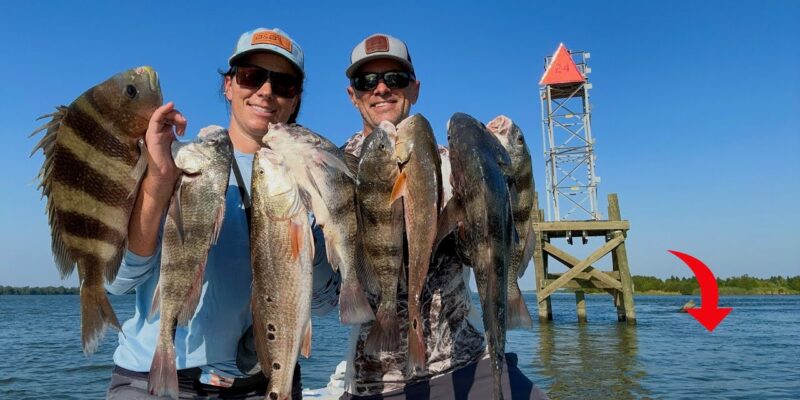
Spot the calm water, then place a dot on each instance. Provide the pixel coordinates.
(754, 353)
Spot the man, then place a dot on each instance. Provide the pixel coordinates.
(383, 87)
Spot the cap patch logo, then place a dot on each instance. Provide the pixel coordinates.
(376, 44)
(273, 39)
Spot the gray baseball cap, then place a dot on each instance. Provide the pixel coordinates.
(379, 45)
(273, 40)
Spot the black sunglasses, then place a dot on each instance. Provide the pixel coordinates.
(370, 80)
(283, 85)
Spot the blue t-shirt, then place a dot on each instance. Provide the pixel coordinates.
(223, 313)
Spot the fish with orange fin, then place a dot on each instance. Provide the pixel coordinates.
(281, 256)
(320, 169)
(419, 184)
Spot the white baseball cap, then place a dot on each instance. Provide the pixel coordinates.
(272, 40)
(379, 45)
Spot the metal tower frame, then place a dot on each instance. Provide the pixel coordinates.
(569, 146)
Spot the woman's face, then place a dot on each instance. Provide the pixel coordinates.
(253, 108)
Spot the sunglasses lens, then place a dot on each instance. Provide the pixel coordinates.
(396, 80)
(366, 81)
(251, 77)
(393, 80)
(283, 85)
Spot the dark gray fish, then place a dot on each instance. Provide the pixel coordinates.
(93, 163)
(320, 170)
(420, 186)
(380, 224)
(481, 211)
(192, 226)
(282, 257)
(510, 136)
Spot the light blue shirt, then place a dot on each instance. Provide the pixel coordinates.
(223, 313)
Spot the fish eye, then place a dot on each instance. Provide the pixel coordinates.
(520, 139)
(131, 91)
(382, 146)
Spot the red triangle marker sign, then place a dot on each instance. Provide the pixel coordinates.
(561, 69)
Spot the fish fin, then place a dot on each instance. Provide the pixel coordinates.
(218, 220)
(189, 305)
(416, 347)
(306, 346)
(296, 238)
(399, 189)
(140, 168)
(155, 305)
(163, 377)
(353, 305)
(175, 212)
(352, 163)
(385, 333)
(517, 314)
(331, 254)
(96, 314)
(64, 262)
(330, 162)
(527, 249)
(449, 219)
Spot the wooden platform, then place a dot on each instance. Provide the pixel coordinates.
(580, 273)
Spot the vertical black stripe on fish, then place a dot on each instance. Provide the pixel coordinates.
(95, 133)
(87, 227)
(77, 174)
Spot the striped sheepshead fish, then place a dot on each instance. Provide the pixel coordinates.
(93, 163)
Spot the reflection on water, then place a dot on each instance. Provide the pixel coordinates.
(582, 362)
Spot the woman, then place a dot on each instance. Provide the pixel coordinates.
(263, 85)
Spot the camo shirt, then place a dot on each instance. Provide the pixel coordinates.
(452, 341)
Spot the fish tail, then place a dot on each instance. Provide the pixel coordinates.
(163, 377)
(353, 305)
(96, 314)
(385, 333)
(517, 314)
(416, 346)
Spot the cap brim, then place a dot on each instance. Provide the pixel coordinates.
(353, 68)
(233, 59)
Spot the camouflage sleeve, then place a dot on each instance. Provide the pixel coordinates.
(325, 291)
(134, 270)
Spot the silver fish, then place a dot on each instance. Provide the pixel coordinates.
(320, 170)
(191, 228)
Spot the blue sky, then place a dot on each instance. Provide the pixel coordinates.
(695, 103)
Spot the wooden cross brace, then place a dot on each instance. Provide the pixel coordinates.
(577, 266)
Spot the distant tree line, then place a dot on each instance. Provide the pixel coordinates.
(744, 284)
(38, 290)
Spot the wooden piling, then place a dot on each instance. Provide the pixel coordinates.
(620, 260)
(580, 305)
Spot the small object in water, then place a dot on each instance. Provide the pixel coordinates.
(689, 305)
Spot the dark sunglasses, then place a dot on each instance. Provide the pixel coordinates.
(283, 85)
(370, 80)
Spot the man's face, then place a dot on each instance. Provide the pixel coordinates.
(383, 103)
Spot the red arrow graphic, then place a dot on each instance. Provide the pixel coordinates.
(708, 314)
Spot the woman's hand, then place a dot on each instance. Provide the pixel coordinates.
(165, 123)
